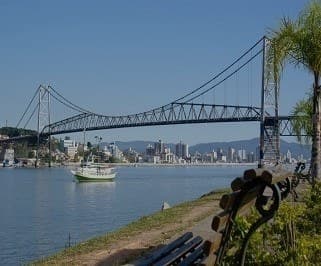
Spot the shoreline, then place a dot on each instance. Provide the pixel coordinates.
(171, 164)
(71, 164)
(140, 236)
(183, 165)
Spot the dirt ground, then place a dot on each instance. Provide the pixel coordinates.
(126, 251)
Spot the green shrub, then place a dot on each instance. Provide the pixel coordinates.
(292, 237)
(310, 222)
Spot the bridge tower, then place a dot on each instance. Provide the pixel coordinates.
(43, 116)
(269, 125)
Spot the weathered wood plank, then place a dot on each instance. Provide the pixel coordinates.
(159, 253)
(246, 208)
(253, 173)
(179, 253)
(273, 176)
(194, 256)
(215, 244)
(219, 221)
(210, 248)
(227, 200)
(238, 183)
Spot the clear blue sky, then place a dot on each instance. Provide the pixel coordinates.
(123, 57)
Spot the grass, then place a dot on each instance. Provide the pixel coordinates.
(145, 223)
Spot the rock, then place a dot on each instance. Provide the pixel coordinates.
(165, 206)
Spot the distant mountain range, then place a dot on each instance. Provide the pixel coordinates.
(249, 145)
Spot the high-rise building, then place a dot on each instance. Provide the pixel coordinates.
(219, 152)
(159, 147)
(251, 157)
(231, 155)
(114, 150)
(241, 155)
(150, 151)
(181, 150)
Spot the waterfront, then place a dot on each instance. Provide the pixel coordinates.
(40, 207)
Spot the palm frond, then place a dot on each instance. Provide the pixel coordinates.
(302, 124)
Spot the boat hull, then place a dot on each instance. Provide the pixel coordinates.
(85, 177)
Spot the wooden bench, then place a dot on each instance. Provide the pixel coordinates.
(262, 188)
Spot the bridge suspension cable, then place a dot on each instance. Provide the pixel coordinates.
(222, 72)
(66, 102)
(33, 112)
(224, 79)
(57, 96)
(28, 106)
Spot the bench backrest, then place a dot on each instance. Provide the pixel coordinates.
(249, 190)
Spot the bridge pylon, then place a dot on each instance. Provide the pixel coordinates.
(269, 124)
(43, 118)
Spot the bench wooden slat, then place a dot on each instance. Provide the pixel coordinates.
(274, 176)
(228, 200)
(253, 173)
(159, 253)
(210, 247)
(238, 183)
(180, 252)
(197, 253)
(219, 221)
(270, 176)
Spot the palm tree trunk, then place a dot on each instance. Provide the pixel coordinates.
(316, 138)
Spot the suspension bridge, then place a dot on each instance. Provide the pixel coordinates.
(188, 109)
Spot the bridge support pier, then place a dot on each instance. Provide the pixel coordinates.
(269, 126)
(43, 118)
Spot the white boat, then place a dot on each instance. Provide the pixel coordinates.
(94, 174)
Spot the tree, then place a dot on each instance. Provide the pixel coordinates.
(89, 145)
(299, 42)
(302, 124)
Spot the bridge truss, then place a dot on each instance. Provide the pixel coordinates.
(93, 121)
(176, 113)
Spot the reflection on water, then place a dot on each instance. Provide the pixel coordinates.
(41, 207)
(93, 187)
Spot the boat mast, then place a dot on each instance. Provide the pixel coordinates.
(83, 150)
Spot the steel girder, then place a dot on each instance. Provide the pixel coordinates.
(286, 127)
(176, 113)
(76, 123)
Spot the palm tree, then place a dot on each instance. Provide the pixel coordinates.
(302, 124)
(299, 42)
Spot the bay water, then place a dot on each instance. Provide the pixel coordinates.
(41, 208)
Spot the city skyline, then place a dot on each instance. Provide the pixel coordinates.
(159, 152)
(219, 147)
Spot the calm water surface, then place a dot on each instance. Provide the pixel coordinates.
(41, 207)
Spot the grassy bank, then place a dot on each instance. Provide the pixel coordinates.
(157, 220)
